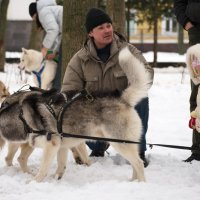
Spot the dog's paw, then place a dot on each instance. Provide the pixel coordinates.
(58, 176)
(29, 171)
(88, 162)
(8, 162)
(39, 177)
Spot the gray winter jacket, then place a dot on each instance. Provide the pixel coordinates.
(86, 70)
(50, 15)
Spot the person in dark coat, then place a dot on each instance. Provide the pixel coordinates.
(188, 15)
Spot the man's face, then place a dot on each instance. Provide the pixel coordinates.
(102, 34)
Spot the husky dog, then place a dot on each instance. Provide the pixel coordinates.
(12, 147)
(20, 124)
(43, 71)
(105, 116)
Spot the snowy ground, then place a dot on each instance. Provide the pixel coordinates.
(107, 178)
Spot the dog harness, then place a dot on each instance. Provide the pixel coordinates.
(38, 74)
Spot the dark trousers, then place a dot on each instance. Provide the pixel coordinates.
(194, 38)
(57, 79)
(143, 110)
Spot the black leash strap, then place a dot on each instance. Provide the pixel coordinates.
(123, 141)
(171, 146)
(98, 138)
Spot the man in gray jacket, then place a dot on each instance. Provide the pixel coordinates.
(48, 16)
(188, 15)
(96, 68)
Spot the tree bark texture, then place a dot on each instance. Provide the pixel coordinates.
(3, 12)
(74, 33)
(116, 10)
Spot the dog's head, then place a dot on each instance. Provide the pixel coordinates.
(30, 60)
(3, 92)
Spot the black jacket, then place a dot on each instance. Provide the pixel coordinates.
(187, 10)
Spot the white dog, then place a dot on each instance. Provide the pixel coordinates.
(44, 71)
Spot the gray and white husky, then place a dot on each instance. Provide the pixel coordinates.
(106, 117)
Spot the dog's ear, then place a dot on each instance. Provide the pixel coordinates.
(24, 50)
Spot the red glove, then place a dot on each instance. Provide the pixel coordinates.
(192, 123)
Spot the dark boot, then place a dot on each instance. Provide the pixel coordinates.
(194, 156)
(146, 162)
(98, 148)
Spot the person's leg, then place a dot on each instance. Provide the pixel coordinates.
(196, 136)
(98, 148)
(57, 79)
(143, 110)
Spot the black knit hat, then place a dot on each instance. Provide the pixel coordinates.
(96, 17)
(32, 9)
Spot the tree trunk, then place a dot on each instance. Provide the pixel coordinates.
(74, 33)
(3, 12)
(180, 40)
(155, 33)
(116, 10)
(155, 43)
(128, 21)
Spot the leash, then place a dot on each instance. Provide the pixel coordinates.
(123, 141)
(91, 98)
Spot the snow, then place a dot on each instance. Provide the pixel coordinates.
(168, 177)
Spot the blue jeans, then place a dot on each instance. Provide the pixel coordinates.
(143, 110)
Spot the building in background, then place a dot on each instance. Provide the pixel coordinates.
(19, 25)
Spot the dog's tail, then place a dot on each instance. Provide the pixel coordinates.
(138, 77)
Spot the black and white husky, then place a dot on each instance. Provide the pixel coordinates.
(105, 117)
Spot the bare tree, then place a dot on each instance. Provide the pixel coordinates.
(116, 10)
(74, 33)
(3, 12)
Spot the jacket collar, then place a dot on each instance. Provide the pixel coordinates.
(89, 51)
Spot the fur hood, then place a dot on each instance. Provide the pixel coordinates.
(191, 52)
